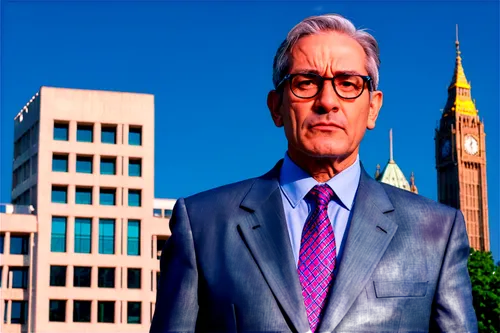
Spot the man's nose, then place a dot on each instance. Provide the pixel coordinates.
(327, 99)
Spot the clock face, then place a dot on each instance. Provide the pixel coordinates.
(471, 145)
(446, 148)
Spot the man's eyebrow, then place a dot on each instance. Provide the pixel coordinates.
(314, 71)
(306, 71)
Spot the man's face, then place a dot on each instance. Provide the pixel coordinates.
(325, 125)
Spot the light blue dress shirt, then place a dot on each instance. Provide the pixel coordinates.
(295, 183)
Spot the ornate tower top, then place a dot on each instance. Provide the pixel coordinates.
(392, 174)
(459, 90)
(459, 79)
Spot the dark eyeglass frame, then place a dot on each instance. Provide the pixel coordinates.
(367, 81)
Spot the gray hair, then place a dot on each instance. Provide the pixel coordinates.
(328, 22)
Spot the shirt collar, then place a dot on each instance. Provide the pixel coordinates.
(295, 183)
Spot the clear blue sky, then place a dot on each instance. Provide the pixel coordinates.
(209, 66)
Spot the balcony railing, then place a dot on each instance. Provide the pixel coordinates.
(16, 209)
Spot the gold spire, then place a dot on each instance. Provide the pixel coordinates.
(459, 79)
(460, 89)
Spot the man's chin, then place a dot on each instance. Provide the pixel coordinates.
(326, 153)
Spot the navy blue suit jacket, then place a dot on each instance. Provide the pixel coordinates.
(229, 267)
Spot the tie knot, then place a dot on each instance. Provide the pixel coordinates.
(321, 195)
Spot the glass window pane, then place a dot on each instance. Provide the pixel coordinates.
(106, 312)
(108, 165)
(19, 312)
(134, 312)
(58, 276)
(134, 168)
(157, 212)
(133, 238)
(83, 235)
(108, 134)
(106, 236)
(83, 196)
(58, 237)
(81, 311)
(61, 131)
(84, 164)
(57, 310)
(134, 198)
(106, 277)
(135, 136)
(134, 278)
(60, 194)
(84, 133)
(19, 277)
(82, 276)
(168, 213)
(60, 163)
(19, 244)
(107, 197)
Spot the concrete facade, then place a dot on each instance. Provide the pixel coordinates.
(84, 161)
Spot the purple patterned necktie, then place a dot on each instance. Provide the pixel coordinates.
(317, 255)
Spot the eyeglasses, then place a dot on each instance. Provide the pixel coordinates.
(308, 85)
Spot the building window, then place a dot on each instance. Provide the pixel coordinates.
(84, 133)
(107, 196)
(133, 238)
(60, 194)
(34, 164)
(135, 135)
(157, 212)
(2, 239)
(108, 134)
(61, 131)
(133, 312)
(83, 235)
(108, 165)
(106, 312)
(18, 312)
(160, 243)
(84, 164)
(82, 276)
(134, 167)
(19, 244)
(83, 195)
(106, 236)
(168, 213)
(58, 237)
(60, 163)
(58, 276)
(19, 277)
(134, 278)
(134, 198)
(57, 310)
(1, 272)
(106, 277)
(81, 311)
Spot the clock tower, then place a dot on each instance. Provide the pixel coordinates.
(461, 158)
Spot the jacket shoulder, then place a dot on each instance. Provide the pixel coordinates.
(404, 199)
(229, 195)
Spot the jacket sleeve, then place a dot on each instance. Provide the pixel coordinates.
(176, 299)
(452, 309)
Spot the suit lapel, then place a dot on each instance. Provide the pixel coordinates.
(368, 237)
(264, 231)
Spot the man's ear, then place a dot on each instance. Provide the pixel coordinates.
(375, 105)
(274, 100)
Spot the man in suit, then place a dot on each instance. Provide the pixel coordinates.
(316, 245)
